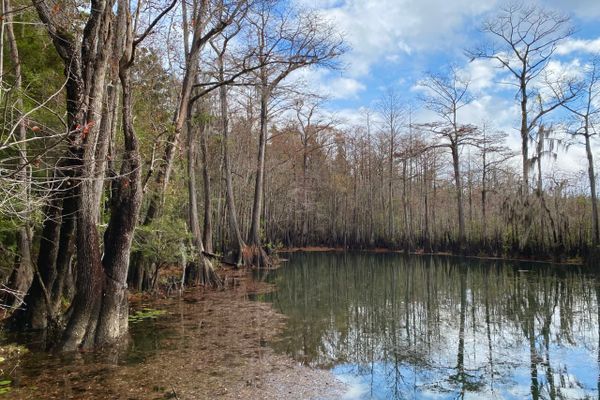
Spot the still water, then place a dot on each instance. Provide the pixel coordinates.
(393, 326)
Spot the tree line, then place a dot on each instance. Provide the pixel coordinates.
(138, 136)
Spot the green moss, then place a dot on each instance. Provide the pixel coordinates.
(145, 314)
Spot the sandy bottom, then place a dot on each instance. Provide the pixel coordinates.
(207, 345)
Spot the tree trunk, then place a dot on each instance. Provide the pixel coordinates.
(207, 229)
(391, 228)
(254, 237)
(207, 274)
(407, 230)
(22, 275)
(125, 206)
(235, 235)
(524, 135)
(81, 327)
(592, 178)
(259, 256)
(459, 201)
(163, 174)
(304, 232)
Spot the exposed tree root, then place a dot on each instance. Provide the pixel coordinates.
(257, 257)
(202, 272)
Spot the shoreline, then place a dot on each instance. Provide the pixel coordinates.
(381, 250)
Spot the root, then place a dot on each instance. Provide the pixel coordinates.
(209, 275)
(257, 257)
(202, 272)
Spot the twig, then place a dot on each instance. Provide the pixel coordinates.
(174, 392)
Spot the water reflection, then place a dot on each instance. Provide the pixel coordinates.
(396, 326)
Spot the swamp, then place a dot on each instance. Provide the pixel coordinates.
(299, 199)
(353, 326)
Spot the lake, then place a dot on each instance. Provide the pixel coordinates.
(393, 326)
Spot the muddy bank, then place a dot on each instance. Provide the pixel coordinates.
(207, 345)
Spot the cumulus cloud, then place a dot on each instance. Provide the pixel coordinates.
(578, 45)
(394, 29)
(344, 88)
(483, 74)
(393, 41)
(327, 83)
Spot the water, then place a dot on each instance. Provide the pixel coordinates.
(393, 326)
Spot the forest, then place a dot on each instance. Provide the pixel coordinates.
(151, 143)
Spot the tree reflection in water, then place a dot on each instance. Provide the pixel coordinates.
(399, 326)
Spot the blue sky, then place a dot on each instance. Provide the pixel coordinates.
(394, 42)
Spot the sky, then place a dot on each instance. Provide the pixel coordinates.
(393, 43)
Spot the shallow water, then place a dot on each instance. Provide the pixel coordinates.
(393, 326)
(208, 345)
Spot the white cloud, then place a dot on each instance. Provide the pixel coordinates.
(327, 83)
(400, 34)
(380, 29)
(585, 9)
(483, 73)
(344, 88)
(578, 45)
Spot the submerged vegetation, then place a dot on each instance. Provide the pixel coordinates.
(144, 314)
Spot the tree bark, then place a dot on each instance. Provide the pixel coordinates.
(524, 135)
(22, 275)
(304, 232)
(85, 308)
(235, 237)
(207, 236)
(459, 200)
(391, 228)
(125, 207)
(207, 274)
(592, 178)
(260, 259)
(254, 236)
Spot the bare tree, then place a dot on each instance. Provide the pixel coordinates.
(207, 19)
(392, 113)
(524, 38)
(586, 111)
(210, 18)
(446, 95)
(312, 128)
(286, 40)
(494, 153)
(546, 145)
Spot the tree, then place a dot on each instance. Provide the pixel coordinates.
(546, 145)
(446, 95)
(207, 19)
(493, 155)
(286, 40)
(105, 47)
(391, 110)
(312, 129)
(23, 272)
(524, 38)
(586, 112)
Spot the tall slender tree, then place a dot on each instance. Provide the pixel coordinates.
(446, 95)
(524, 38)
(586, 112)
(286, 40)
